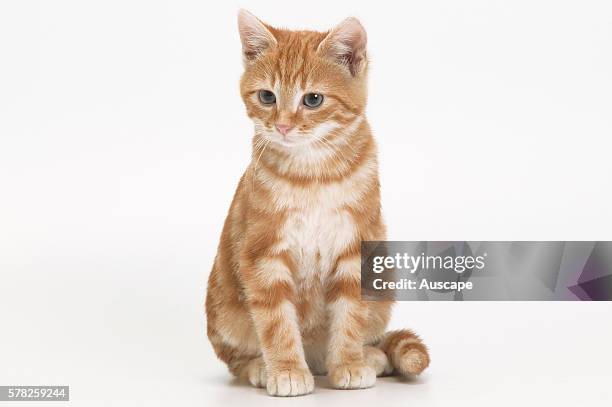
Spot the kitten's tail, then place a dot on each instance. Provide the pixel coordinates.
(406, 351)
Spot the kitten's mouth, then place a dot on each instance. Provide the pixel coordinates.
(289, 141)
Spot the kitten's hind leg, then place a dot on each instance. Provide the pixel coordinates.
(377, 360)
(254, 370)
(248, 366)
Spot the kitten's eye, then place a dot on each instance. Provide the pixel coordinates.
(266, 97)
(313, 100)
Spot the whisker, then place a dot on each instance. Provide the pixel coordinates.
(257, 162)
(334, 155)
(338, 152)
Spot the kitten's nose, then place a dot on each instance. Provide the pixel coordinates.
(283, 128)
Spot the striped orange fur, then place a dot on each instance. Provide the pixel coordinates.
(283, 297)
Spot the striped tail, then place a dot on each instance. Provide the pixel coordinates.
(406, 352)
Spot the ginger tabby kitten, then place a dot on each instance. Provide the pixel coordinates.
(284, 296)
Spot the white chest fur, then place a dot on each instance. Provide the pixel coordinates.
(316, 237)
(318, 228)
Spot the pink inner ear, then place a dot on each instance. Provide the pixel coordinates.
(346, 44)
(255, 37)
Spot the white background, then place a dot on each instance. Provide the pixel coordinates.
(122, 137)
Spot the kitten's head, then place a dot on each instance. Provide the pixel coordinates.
(300, 86)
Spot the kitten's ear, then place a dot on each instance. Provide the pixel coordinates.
(346, 44)
(255, 36)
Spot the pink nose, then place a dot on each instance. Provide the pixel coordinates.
(283, 128)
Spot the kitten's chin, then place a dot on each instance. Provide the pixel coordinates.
(292, 143)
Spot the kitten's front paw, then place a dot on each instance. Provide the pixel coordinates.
(292, 382)
(352, 376)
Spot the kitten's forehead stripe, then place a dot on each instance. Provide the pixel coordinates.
(300, 65)
(293, 64)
